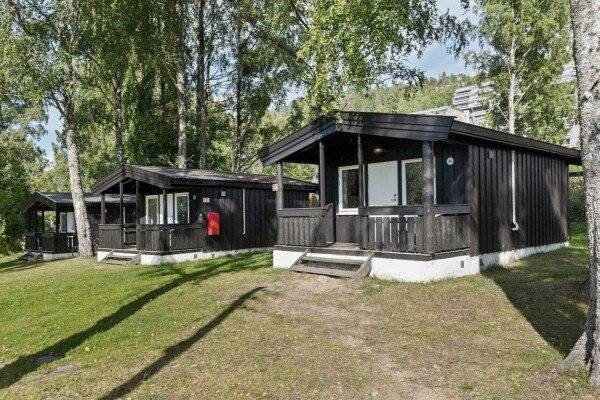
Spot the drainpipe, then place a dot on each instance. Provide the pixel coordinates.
(513, 179)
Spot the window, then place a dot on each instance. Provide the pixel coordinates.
(152, 210)
(182, 208)
(178, 209)
(412, 182)
(348, 189)
(67, 222)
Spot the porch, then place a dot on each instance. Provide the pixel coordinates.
(388, 207)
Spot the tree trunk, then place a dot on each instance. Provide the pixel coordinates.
(181, 83)
(82, 222)
(118, 123)
(512, 89)
(238, 145)
(585, 15)
(201, 111)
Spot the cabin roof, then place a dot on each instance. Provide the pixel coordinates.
(54, 199)
(405, 126)
(169, 177)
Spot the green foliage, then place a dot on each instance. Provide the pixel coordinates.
(431, 93)
(528, 40)
(356, 43)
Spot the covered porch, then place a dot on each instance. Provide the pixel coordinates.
(399, 193)
(160, 222)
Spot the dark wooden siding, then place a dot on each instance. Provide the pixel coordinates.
(541, 199)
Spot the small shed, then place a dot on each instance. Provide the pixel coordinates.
(420, 197)
(188, 214)
(50, 220)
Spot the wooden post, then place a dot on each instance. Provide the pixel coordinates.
(165, 220)
(121, 217)
(102, 209)
(361, 172)
(138, 213)
(43, 222)
(56, 220)
(322, 198)
(35, 219)
(428, 198)
(279, 193)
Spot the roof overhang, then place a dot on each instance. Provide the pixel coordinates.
(404, 126)
(168, 181)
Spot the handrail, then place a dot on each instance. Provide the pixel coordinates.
(452, 209)
(304, 212)
(390, 210)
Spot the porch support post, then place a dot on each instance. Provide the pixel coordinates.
(56, 220)
(165, 220)
(43, 222)
(102, 208)
(35, 218)
(322, 198)
(361, 172)
(138, 212)
(428, 198)
(279, 193)
(121, 219)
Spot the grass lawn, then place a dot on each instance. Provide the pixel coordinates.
(236, 328)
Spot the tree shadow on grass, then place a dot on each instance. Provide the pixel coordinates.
(177, 349)
(549, 291)
(16, 264)
(16, 370)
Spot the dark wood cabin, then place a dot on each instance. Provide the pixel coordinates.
(50, 220)
(422, 187)
(245, 204)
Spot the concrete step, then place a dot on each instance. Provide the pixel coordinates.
(337, 272)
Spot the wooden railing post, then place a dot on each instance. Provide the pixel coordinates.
(279, 193)
(428, 197)
(322, 189)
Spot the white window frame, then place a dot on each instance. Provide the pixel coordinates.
(175, 196)
(403, 172)
(341, 209)
(159, 203)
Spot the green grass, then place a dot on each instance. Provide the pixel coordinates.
(236, 328)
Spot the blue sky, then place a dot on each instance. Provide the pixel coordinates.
(434, 62)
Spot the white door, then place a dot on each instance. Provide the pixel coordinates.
(383, 183)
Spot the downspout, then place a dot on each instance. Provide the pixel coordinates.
(513, 179)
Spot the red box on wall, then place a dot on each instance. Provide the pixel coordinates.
(213, 221)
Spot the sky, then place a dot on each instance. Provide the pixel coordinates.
(434, 62)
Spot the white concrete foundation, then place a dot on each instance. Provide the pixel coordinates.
(157, 259)
(54, 256)
(426, 271)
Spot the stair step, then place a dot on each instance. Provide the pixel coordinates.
(333, 260)
(114, 261)
(337, 272)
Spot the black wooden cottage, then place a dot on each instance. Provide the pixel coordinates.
(173, 207)
(416, 197)
(50, 220)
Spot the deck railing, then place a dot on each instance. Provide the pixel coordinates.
(152, 238)
(400, 228)
(305, 226)
(171, 237)
(51, 242)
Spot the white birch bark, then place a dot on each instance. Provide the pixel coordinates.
(181, 83)
(585, 15)
(201, 85)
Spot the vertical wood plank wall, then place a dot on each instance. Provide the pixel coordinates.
(541, 199)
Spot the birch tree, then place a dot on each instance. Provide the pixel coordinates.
(526, 46)
(54, 32)
(181, 83)
(585, 15)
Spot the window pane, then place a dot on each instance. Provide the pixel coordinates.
(350, 188)
(182, 209)
(152, 211)
(70, 222)
(63, 222)
(414, 183)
